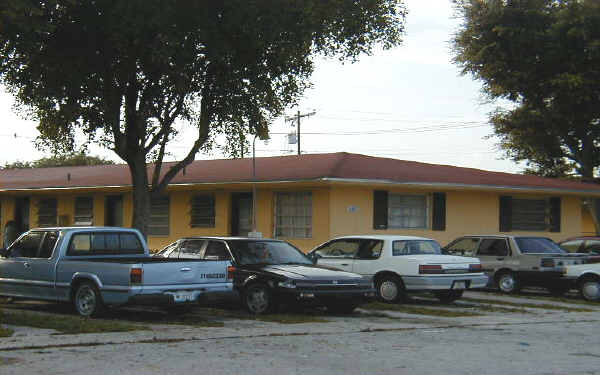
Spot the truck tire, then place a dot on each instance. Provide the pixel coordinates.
(589, 288)
(87, 300)
(390, 289)
(508, 283)
(448, 296)
(257, 299)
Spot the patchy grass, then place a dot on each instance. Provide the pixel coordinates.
(544, 306)
(572, 299)
(305, 317)
(67, 324)
(496, 309)
(417, 310)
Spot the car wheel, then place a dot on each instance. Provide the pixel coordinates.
(341, 308)
(87, 300)
(508, 283)
(590, 289)
(448, 296)
(390, 289)
(257, 299)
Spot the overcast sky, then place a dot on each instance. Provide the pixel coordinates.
(408, 103)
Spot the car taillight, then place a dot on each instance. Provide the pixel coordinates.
(475, 267)
(230, 272)
(135, 276)
(430, 268)
(547, 262)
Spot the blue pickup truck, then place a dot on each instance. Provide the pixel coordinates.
(98, 267)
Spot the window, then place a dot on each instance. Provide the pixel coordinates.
(572, 246)
(538, 245)
(84, 211)
(518, 214)
(216, 250)
(463, 246)
(370, 249)
(493, 247)
(592, 246)
(345, 248)
(191, 248)
(48, 245)
(99, 243)
(407, 211)
(293, 215)
(167, 250)
(203, 211)
(159, 217)
(47, 212)
(415, 247)
(27, 246)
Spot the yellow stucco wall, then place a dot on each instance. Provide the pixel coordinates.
(338, 209)
(587, 223)
(467, 212)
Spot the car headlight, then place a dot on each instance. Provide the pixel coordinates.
(290, 284)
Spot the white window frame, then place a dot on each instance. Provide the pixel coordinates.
(294, 230)
(427, 209)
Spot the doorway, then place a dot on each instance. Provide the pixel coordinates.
(113, 211)
(241, 214)
(22, 214)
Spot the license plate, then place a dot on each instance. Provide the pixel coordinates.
(183, 297)
(460, 285)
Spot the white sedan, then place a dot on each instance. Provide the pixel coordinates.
(402, 264)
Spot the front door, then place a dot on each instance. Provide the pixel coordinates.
(241, 214)
(22, 215)
(113, 214)
(493, 254)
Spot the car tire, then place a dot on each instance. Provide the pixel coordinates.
(508, 283)
(589, 289)
(87, 300)
(390, 289)
(257, 299)
(448, 296)
(341, 308)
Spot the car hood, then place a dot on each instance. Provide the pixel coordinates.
(441, 259)
(304, 272)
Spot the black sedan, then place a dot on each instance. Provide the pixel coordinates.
(267, 273)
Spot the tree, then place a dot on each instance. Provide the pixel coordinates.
(124, 72)
(543, 55)
(65, 160)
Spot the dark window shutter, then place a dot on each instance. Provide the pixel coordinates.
(555, 214)
(380, 209)
(505, 213)
(439, 211)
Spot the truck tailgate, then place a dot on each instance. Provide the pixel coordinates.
(184, 274)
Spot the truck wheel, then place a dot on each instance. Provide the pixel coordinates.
(590, 289)
(257, 299)
(448, 296)
(508, 283)
(390, 289)
(87, 300)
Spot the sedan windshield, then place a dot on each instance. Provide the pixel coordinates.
(538, 245)
(266, 252)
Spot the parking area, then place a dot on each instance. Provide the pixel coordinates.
(531, 332)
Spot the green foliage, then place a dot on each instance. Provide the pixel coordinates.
(543, 55)
(67, 160)
(124, 72)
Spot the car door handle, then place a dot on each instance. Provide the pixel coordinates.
(344, 264)
(185, 269)
(499, 258)
(27, 265)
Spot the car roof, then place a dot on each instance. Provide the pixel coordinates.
(228, 238)
(581, 238)
(385, 237)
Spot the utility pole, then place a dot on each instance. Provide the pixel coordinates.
(297, 119)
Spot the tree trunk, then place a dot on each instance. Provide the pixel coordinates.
(141, 195)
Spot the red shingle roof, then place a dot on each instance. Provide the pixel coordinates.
(342, 165)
